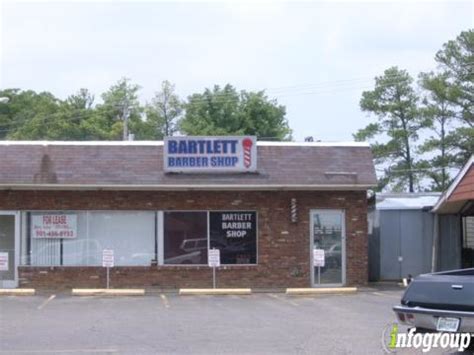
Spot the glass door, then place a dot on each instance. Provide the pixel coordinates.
(8, 251)
(328, 248)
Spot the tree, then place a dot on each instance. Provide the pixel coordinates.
(163, 112)
(224, 111)
(456, 60)
(264, 118)
(439, 110)
(448, 106)
(119, 114)
(394, 102)
(28, 115)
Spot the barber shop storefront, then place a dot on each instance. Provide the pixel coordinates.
(281, 214)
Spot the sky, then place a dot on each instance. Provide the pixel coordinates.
(315, 58)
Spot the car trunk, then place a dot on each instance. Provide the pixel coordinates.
(453, 290)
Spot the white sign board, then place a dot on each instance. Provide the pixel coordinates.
(318, 257)
(3, 261)
(214, 257)
(107, 258)
(224, 154)
(54, 226)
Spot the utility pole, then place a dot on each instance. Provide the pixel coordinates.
(125, 116)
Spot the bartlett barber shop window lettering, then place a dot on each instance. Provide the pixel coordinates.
(186, 237)
(235, 234)
(138, 238)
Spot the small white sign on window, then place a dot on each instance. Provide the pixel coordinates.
(214, 258)
(3, 261)
(318, 257)
(107, 258)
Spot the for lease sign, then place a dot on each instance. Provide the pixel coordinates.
(54, 226)
(210, 154)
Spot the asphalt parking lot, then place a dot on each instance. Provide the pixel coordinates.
(263, 323)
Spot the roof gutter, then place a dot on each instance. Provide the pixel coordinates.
(215, 187)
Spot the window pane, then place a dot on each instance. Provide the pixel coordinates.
(185, 238)
(131, 235)
(7, 246)
(235, 234)
(45, 241)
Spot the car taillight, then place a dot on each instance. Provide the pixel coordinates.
(401, 317)
(406, 317)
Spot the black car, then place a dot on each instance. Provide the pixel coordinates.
(442, 301)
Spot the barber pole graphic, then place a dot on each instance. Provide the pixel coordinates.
(247, 144)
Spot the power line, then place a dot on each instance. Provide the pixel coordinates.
(288, 91)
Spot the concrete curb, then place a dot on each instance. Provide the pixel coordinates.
(107, 292)
(320, 291)
(214, 291)
(17, 291)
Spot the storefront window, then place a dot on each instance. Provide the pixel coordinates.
(185, 238)
(78, 238)
(235, 234)
(131, 235)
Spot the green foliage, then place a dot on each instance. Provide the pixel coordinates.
(448, 105)
(163, 112)
(456, 58)
(394, 102)
(28, 115)
(224, 111)
(120, 106)
(437, 108)
(34, 116)
(443, 113)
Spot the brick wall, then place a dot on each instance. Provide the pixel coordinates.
(283, 247)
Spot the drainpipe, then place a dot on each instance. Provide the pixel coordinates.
(434, 255)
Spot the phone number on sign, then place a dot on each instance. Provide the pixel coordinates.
(54, 234)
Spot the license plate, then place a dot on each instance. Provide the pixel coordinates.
(446, 324)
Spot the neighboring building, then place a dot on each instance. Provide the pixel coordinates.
(400, 242)
(454, 232)
(160, 206)
(423, 232)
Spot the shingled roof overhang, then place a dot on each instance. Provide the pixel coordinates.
(138, 165)
(459, 197)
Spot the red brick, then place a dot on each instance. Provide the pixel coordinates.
(284, 259)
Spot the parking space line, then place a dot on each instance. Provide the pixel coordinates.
(385, 295)
(63, 351)
(282, 299)
(42, 305)
(165, 300)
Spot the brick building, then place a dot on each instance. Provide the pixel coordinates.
(62, 203)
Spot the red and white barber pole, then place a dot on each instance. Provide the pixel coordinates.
(247, 145)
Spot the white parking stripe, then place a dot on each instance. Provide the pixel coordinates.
(62, 351)
(282, 299)
(42, 305)
(385, 295)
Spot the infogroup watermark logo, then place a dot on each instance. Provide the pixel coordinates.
(393, 339)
